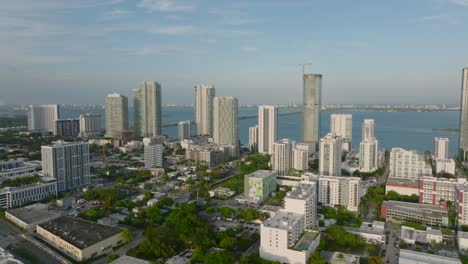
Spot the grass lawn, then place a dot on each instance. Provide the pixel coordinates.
(235, 183)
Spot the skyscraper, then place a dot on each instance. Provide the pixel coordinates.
(42, 117)
(367, 129)
(116, 106)
(312, 101)
(68, 162)
(253, 138)
(225, 127)
(281, 159)
(153, 155)
(267, 128)
(204, 95)
(463, 140)
(90, 125)
(342, 125)
(147, 106)
(184, 129)
(441, 148)
(330, 155)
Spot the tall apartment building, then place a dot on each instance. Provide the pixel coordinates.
(90, 125)
(339, 191)
(259, 185)
(300, 160)
(462, 204)
(434, 190)
(282, 156)
(330, 153)
(441, 148)
(184, 129)
(68, 162)
(311, 103)
(42, 117)
(267, 128)
(368, 129)
(302, 199)
(116, 106)
(204, 95)
(463, 135)
(253, 138)
(147, 107)
(342, 125)
(408, 164)
(67, 127)
(153, 155)
(225, 123)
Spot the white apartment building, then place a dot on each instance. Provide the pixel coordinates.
(253, 138)
(367, 129)
(434, 190)
(184, 129)
(462, 202)
(342, 125)
(445, 166)
(300, 160)
(17, 168)
(11, 197)
(147, 107)
(302, 199)
(225, 123)
(330, 152)
(204, 95)
(408, 164)
(282, 156)
(68, 162)
(267, 128)
(339, 191)
(66, 127)
(441, 148)
(153, 156)
(116, 107)
(42, 117)
(369, 155)
(90, 125)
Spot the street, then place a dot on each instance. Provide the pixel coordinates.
(392, 249)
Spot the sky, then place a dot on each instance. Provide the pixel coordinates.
(368, 51)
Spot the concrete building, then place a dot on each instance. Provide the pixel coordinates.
(368, 129)
(369, 155)
(225, 123)
(66, 127)
(282, 156)
(259, 185)
(184, 129)
(330, 153)
(415, 257)
(153, 156)
(90, 125)
(42, 117)
(68, 162)
(253, 138)
(311, 103)
(11, 197)
(372, 232)
(130, 260)
(435, 191)
(463, 135)
(80, 239)
(204, 95)
(18, 168)
(302, 199)
(267, 128)
(342, 125)
(431, 215)
(408, 164)
(445, 166)
(462, 240)
(462, 204)
(116, 107)
(147, 107)
(28, 218)
(441, 148)
(339, 191)
(402, 186)
(210, 154)
(300, 161)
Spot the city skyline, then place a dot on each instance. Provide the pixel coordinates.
(242, 44)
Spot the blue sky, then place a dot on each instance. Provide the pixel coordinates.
(374, 51)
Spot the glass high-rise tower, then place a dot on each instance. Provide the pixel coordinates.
(147, 106)
(463, 135)
(311, 103)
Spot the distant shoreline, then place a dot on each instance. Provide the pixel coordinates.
(453, 130)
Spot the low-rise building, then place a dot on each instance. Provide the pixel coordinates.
(414, 257)
(340, 258)
(462, 240)
(259, 185)
(11, 197)
(27, 219)
(80, 239)
(402, 186)
(129, 260)
(18, 168)
(431, 215)
(445, 166)
(434, 190)
(411, 235)
(372, 232)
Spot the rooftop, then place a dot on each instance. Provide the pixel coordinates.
(302, 190)
(283, 220)
(407, 256)
(30, 216)
(306, 240)
(78, 232)
(415, 208)
(260, 174)
(129, 260)
(403, 182)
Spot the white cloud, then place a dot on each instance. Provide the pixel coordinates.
(164, 5)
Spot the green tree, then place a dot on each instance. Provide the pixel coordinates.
(316, 258)
(112, 257)
(154, 214)
(165, 202)
(228, 243)
(219, 257)
(127, 236)
(226, 211)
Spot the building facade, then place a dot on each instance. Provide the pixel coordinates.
(259, 185)
(369, 155)
(90, 125)
(408, 164)
(330, 153)
(311, 104)
(282, 156)
(66, 127)
(116, 107)
(147, 107)
(463, 135)
(204, 95)
(17, 168)
(431, 215)
(153, 155)
(339, 191)
(267, 128)
(367, 129)
(68, 162)
(42, 117)
(253, 138)
(302, 199)
(184, 129)
(342, 125)
(11, 197)
(441, 148)
(225, 123)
